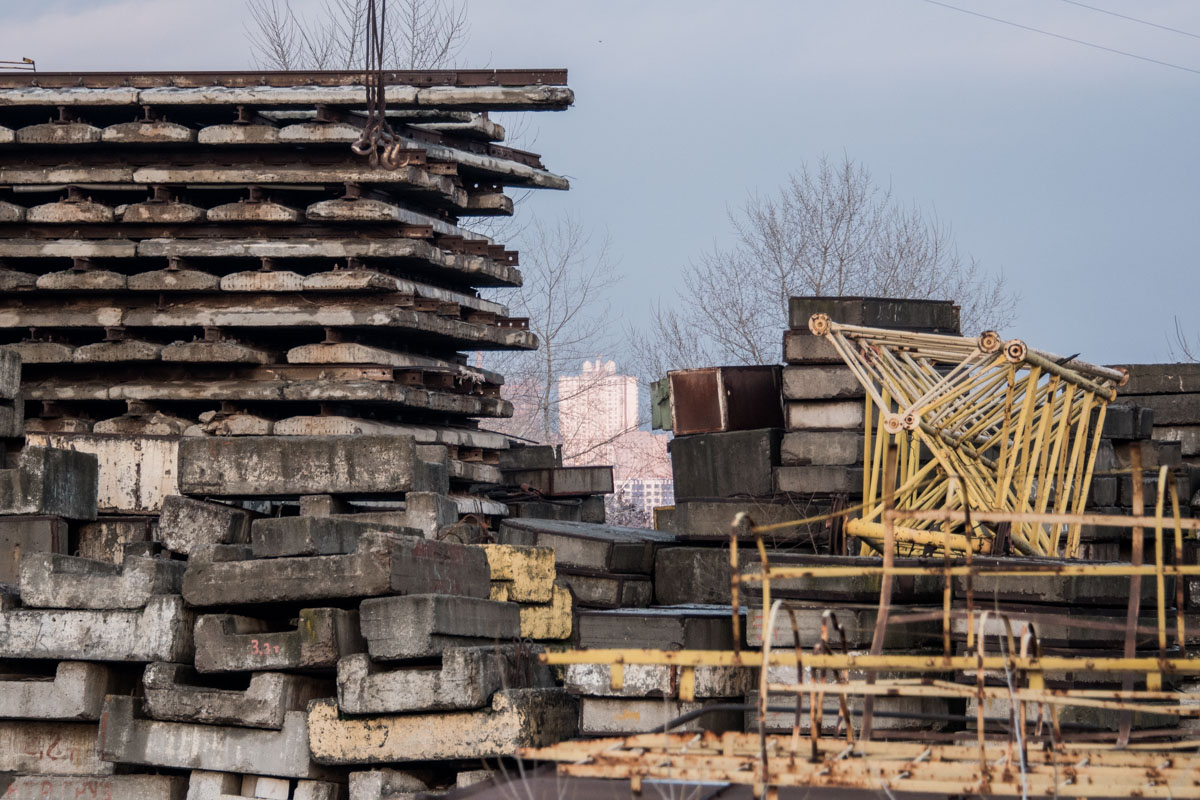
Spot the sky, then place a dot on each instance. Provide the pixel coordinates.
(1072, 170)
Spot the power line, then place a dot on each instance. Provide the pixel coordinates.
(1066, 38)
(1133, 19)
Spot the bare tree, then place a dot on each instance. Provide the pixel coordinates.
(1184, 348)
(421, 34)
(830, 230)
(567, 276)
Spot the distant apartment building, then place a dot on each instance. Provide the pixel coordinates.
(598, 421)
(596, 407)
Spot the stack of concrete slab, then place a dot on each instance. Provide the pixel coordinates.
(538, 486)
(603, 566)
(1078, 615)
(843, 613)
(644, 698)
(202, 255)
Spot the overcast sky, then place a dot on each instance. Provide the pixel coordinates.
(1073, 170)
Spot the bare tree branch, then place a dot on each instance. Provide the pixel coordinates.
(830, 230)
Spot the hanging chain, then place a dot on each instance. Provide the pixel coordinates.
(378, 141)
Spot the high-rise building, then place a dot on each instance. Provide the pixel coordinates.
(595, 408)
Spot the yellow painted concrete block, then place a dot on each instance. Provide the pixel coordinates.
(517, 718)
(529, 571)
(551, 620)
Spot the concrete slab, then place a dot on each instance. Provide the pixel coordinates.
(134, 473)
(686, 627)
(857, 621)
(608, 590)
(527, 573)
(163, 213)
(854, 589)
(107, 538)
(824, 415)
(162, 631)
(124, 787)
(712, 519)
(423, 625)
(891, 714)
(215, 353)
(202, 785)
(294, 465)
(381, 564)
(44, 480)
(820, 382)
(692, 575)
(51, 748)
(127, 738)
(385, 784)
(176, 692)
(517, 718)
(582, 545)
(173, 280)
(563, 481)
(76, 692)
(611, 716)
(801, 347)
(187, 524)
(656, 680)
(725, 464)
(22, 535)
(821, 448)
(10, 374)
(818, 480)
(553, 620)
(315, 640)
(932, 316)
(466, 679)
(157, 131)
(49, 580)
(315, 536)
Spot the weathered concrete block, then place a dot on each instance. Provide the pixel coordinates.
(1167, 409)
(854, 589)
(381, 564)
(818, 480)
(582, 545)
(186, 524)
(466, 679)
(612, 716)
(517, 718)
(271, 466)
(725, 464)
(22, 535)
(543, 456)
(858, 623)
(656, 680)
(162, 631)
(135, 472)
(231, 643)
(891, 714)
(12, 418)
(801, 347)
(49, 580)
(692, 575)
(429, 512)
(820, 382)
(1072, 590)
(110, 538)
(202, 785)
(176, 692)
(821, 448)
(933, 316)
(50, 748)
(314, 536)
(10, 374)
(553, 620)
(563, 481)
(76, 693)
(1188, 437)
(114, 787)
(609, 590)
(1162, 379)
(824, 415)
(126, 738)
(385, 784)
(527, 573)
(998, 709)
(46, 480)
(422, 625)
(687, 627)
